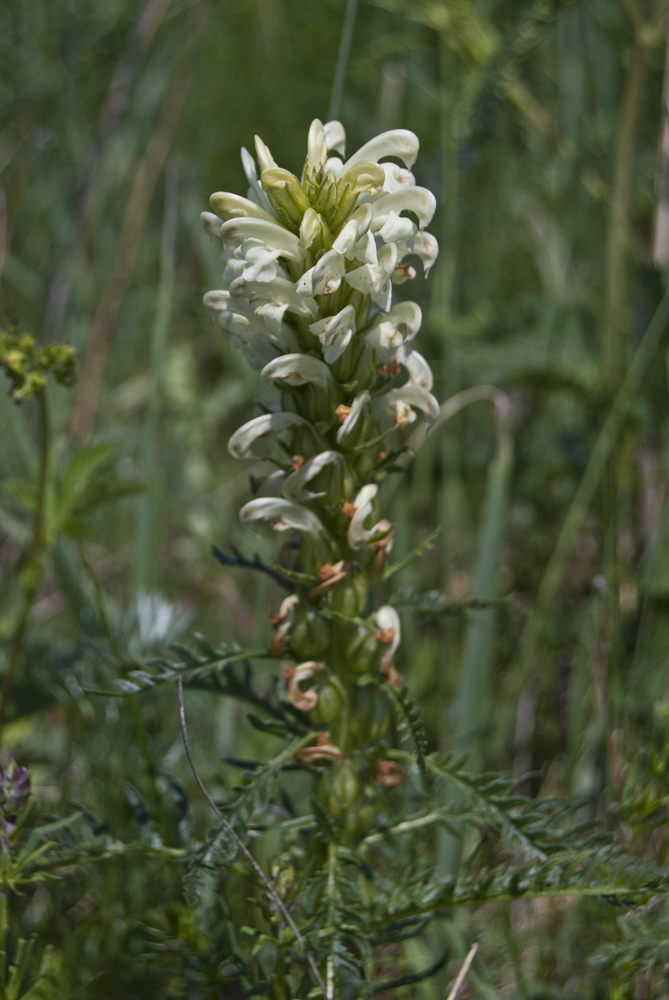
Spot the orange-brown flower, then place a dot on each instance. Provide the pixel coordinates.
(384, 546)
(392, 675)
(298, 462)
(324, 749)
(282, 622)
(329, 575)
(305, 701)
(390, 774)
(342, 412)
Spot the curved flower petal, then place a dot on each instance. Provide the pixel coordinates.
(394, 230)
(211, 223)
(364, 177)
(265, 425)
(296, 369)
(282, 515)
(335, 136)
(392, 329)
(233, 206)
(270, 486)
(282, 622)
(401, 401)
(335, 333)
(406, 199)
(307, 700)
(235, 231)
(420, 373)
(397, 177)
(294, 486)
(389, 622)
(397, 142)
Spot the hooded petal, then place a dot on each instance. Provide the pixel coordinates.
(297, 369)
(397, 177)
(266, 425)
(335, 136)
(420, 373)
(394, 230)
(374, 279)
(398, 142)
(294, 487)
(335, 333)
(271, 485)
(281, 515)
(255, 191)
(317, 146)
(233, 206)
(307, 700)
(410, 199)
(357, 409)
(265, 158)
(325, 277)
(423, 245)
(390, 330)
(358, 535)
(211, 223)
(389, 621)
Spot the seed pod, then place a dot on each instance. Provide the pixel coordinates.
(329, 705)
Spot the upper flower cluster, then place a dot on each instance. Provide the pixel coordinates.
(310, 266)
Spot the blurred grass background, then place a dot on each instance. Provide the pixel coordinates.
(539, 126)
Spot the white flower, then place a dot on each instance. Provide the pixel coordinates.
(297, 369)
(325, 277)
(358, 535)
(282, 515)
(398, 142)
(271, 299)
(265, 158)
(255, 192)
(418, 200)
(266, 425)
(394, 328)
(335, 333)
(374, 279)
(236, 231)
(317, 146)
(401, 402)
(294, 486)
(307, 700)
(355, 241)
(389, 621)
(357, 410)
(282, 623)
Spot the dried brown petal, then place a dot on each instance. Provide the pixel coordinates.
(298, 462)
(324, 749)
(392, 675)
(390, 774)
(342, 412)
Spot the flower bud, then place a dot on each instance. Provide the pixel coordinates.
(285, 194)
(346, 783)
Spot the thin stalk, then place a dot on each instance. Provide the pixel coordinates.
(512, 947)
(342, 60)
(33, 571)
(148, 514)
(599, 456)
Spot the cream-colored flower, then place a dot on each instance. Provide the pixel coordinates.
(307, 700)
(335, 333)
(266, 425)
(294, 486)
(282, 515)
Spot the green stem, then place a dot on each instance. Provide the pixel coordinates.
(33, 571)
(512, 946)
(618, 238)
